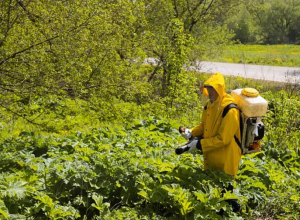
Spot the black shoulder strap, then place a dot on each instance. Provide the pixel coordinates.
(237, 141)
(225, 111)
(228, 107)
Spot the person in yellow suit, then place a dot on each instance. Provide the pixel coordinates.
(218, 136)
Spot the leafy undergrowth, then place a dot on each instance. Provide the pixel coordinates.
(132, 172)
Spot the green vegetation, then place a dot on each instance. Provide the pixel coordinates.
(79, 167)
(95, 50)
(266, 22)
(88, 129)
(273, 55)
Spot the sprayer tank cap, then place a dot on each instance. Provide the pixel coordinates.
(250, 92)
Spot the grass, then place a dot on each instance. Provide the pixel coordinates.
(275, 55)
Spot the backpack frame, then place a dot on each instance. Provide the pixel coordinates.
(251, 130)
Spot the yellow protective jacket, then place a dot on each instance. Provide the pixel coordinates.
(220, 150)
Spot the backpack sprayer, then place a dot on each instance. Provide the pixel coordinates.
(252, 107)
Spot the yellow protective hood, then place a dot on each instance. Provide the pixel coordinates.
(217, 82)
(220, 150)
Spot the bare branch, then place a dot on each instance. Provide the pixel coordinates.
(19, 115)
(94, 70)
(175, 8)
(30, 15)
(26, 49)
(154, 71)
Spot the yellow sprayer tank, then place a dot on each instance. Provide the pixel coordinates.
(250, 102)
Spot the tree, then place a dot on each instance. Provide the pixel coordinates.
(242, 25)
(95, 50)
(68, 48)
(276, 19)
(180, 27)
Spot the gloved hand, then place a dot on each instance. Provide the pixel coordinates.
(185, 132)
(190, 146)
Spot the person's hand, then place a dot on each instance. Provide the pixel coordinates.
(189, 147)
(185, 132)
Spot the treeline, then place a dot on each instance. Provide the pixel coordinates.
(267, 22)
(95, 50)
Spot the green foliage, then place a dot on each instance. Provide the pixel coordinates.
(273, 55)
(242, 25)
(3, 210)
(95, 51)
(89, 51)
(183, 32)
(276, 19)
(131, 171)
(266, 22)
(77, 141)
